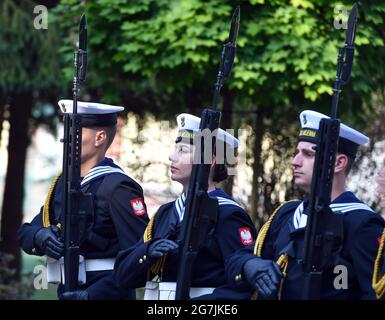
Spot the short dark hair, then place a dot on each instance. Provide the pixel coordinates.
(110, 132)
(220, 172)
(221, 169)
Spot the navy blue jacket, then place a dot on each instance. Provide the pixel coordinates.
(131, 269)
(115, 224)
(362, 229)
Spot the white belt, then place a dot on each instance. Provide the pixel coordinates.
(166, 291)
(55, 268)
(100, 264)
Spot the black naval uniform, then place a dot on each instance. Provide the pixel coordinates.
(234, 229)
(362, 231)
(118, 221)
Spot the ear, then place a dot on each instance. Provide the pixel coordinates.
(342, 162)
(100, 138)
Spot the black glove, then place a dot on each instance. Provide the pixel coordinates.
(264, 276)
(47, 241)
(160, 247)
(75, 295)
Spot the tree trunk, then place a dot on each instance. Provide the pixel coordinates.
(257, 167)
(12, 211)
(226, 123)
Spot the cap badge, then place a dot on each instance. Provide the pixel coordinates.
(304, 119)
(182, 121)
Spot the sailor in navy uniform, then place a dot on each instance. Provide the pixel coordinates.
(273, 267)
(116, 219)
(156, 256)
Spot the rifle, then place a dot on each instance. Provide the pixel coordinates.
(201, 210)
(72, 193)
(324, 230)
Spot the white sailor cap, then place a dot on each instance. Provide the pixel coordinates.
(188, 126)
(349, 140)
(93, 114)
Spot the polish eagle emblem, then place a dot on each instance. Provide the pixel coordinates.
(246, 236)
(138, 206)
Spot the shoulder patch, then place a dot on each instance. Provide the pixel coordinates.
(138, 206)
(246, 236)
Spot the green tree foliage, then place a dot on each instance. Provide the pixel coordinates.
(28, 59)
(284, 48)
(163, 52)
(292, 49)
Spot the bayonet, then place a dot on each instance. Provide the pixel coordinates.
(234, 26)
(82, 52)
(227, 56)
(345, 59)
(352, 24)
(83, 33)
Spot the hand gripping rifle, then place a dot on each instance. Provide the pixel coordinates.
(72, 193)
(201, 210)
(324, 230)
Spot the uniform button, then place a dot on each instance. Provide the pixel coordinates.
(144, 258)
(33, 250)
(140, 260)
